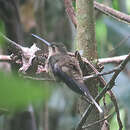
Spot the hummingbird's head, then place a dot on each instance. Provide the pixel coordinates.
(57, 48)
(54, 48)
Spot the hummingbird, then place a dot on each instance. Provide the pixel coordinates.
(66, 69)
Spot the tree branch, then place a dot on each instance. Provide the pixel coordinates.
(116, 59)
(97, 122)
(70, 11)
(117, 111)
(102, 84)
(108, 87)
(112, 12)
(102, 8)
(99, 74)
(5, 58)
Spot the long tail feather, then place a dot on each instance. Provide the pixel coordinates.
(75, 86)
(95, 103)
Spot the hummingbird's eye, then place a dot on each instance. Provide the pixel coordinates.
(53, 48)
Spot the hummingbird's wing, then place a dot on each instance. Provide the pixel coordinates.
(68, 71)
(69, 81)
(75, 85)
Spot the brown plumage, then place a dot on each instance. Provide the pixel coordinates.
(66, 69)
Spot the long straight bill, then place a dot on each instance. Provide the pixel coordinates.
(43, 40)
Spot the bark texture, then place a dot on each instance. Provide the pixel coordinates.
(87, 43)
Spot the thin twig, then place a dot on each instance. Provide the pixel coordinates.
(99, 74)
(70, 11)
(116, 59)
(112, 12)
(105, 105)
(103, 83)
(94, 71)
(5, 58)
(108, 87)
(110, 60)
(17, 46)
(110, 53)
(112, 96)
(3, 110)
(101, 7)
(97, 122)
(117, 111)
(39, 79)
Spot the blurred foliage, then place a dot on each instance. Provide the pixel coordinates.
(128, 6)
(101, 36)
(74, 4)
(110, 33)
(27, 15)
(53, 10)
(57, 24)
(16, 93)
(100, 1)
(107, 100)
(114, 124)
(113, 39)
(63, 103)
(2, 30)
(117, 34)
(121, 91)
(115, 4)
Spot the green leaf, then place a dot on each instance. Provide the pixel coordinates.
(101, 37)
(74, 4)
(128, 5)
(115, 4)
(114, 125)
(2, 30)
(16, 93)
(107, 100)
